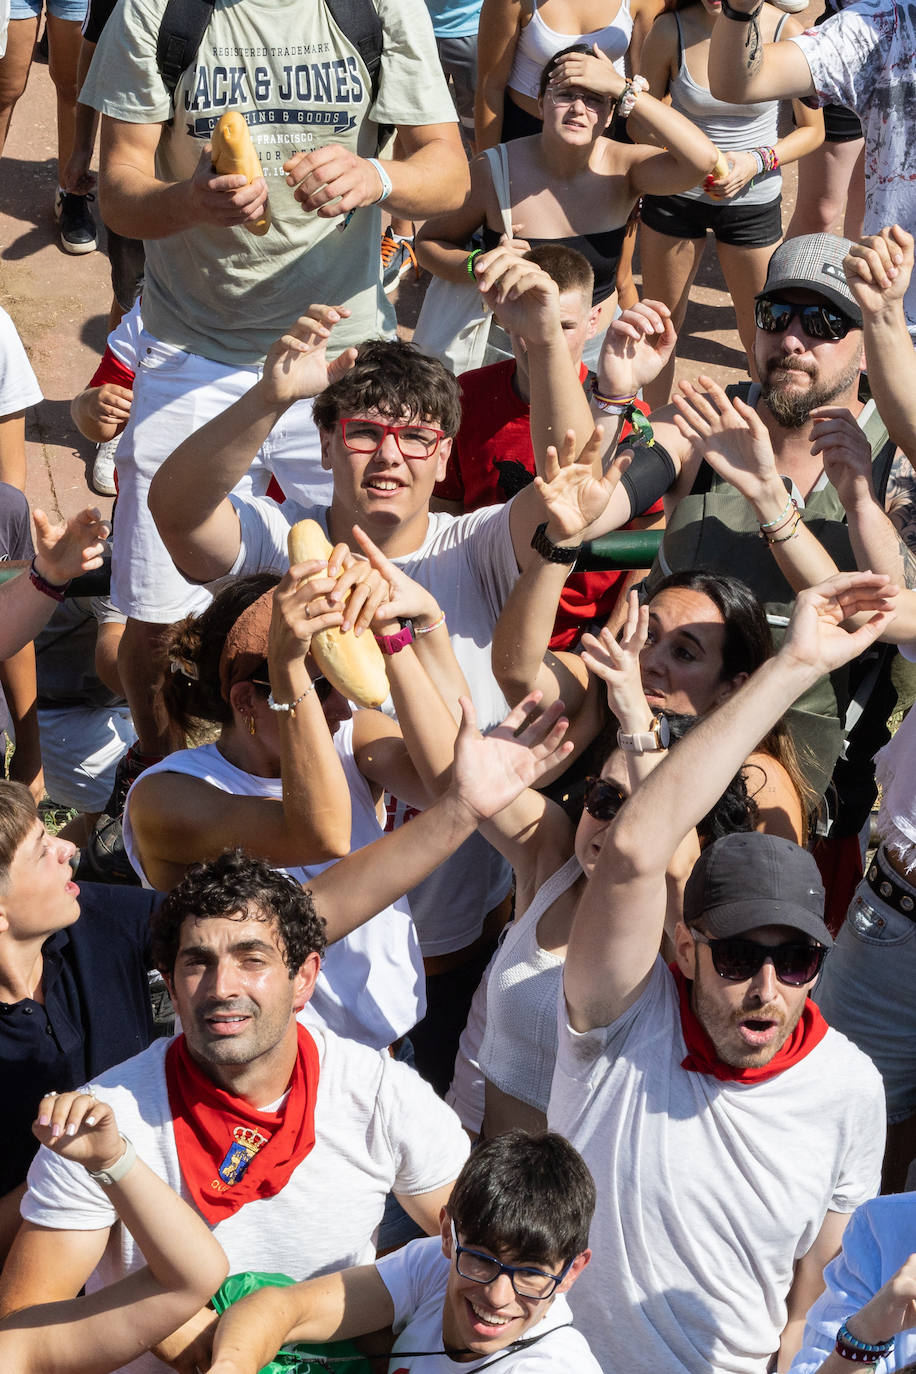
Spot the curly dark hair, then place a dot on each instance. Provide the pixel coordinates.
(239, 887)
(397, 380)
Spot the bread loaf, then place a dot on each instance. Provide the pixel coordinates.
(233, 154)
(356, 667)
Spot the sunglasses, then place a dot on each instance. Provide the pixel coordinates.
(733, 957)
(527, 1282)
(603, 799)
(817, 321)
(413, 440)
(323, 688)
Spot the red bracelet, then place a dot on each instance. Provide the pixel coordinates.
(41, 584)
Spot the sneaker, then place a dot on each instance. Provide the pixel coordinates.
(790, 6)
(398, 258)
(78, 233)
(130, 766)
(103, 468)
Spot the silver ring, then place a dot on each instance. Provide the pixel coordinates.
(52, 1094)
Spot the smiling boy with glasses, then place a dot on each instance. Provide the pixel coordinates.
(492, 1286)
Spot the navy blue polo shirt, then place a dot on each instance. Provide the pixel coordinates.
(96, 1013)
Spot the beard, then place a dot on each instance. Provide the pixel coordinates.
(721, 1021)
(791, 407)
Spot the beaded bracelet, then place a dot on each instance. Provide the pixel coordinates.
(791, 505)
(631, 91)
(769, 158)
(469, 263)
(428, 629)
(612, 405)
(783, 538)
(56, 591)
(289, 705)
(860, 1352)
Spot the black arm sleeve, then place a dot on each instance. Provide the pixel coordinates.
(649, 476)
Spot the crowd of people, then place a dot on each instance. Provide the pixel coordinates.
(485, 923)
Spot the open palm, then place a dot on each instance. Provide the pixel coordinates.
(297, 365)
(573, 495)
(491, 770)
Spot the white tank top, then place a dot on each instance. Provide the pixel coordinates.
(537, 43)
(372, 986)
(524, 983)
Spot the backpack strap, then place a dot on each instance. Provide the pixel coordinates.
(181, 32)
(359, 20)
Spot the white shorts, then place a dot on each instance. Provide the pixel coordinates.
(81, 747)
(175, 393)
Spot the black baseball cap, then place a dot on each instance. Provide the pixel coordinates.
(744, 881)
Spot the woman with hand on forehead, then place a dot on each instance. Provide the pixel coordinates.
(112, 1326)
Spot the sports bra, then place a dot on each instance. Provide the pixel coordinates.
(602, 251)
(537, 43)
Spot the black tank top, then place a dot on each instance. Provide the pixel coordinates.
(602, 251)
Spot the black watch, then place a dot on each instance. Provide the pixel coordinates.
(551, 552)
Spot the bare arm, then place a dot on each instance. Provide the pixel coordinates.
(63, 551)
(808, 1285)
(878, 270)
(101, 412)
(619, 921)
(333, 1307)
(497, 37)
(743, 68)
(76, 175)
(441, 242)
(883, 541)
(137, 204)
(12, 449)
(189, 494)
(17, 678)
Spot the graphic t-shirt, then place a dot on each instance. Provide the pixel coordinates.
(300, 83)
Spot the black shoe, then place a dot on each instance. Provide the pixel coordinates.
(78, 233)
(130, 766)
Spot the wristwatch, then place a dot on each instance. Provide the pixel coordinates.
(551, 552)
(393, 644)
(653, 741)
(120, 1167)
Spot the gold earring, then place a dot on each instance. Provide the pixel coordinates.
(252, 725)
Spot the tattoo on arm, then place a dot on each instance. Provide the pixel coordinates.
(753, 49)
(900, 506)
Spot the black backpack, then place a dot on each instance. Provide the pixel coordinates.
(184, 24)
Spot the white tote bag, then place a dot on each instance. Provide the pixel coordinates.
(454, 324)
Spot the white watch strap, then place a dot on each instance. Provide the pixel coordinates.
(118, 1169)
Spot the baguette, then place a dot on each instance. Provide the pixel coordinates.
(356, 667)
(233, 154)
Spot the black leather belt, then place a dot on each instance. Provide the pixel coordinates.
(885, 884)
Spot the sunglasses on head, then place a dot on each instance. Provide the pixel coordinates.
(795, 963)
(603, 799)
(817, 320)
(323, 688)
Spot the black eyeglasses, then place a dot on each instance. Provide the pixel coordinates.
(526, 1281)
(323, 688)
(795, 963)
(603, 799)
(817, 320)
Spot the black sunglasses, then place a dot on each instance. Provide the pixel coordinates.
(323, 688)
(603, 799)
(795, 963)
(818, 321)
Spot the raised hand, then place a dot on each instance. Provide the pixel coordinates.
(816, 639)
(525, 298)
(732, 438)
(636, 347)
(573, 496)
(892, 1309)
(79, 1127)
(845, 452)
(593, 71)
(404, 599)
(878, 268)
(491, 770)
(617, 664)
(69, 547)
(297, 365)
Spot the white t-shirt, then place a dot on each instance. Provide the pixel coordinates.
(378, 1128)
(708, 1192)
(18, 384)
(416, 1278)
(863, 58)
(468, 563)
(371, 987)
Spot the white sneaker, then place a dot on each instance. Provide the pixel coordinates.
(790, 6)
(103, 469)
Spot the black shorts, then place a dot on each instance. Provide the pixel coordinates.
(841, 125)
(743, 226)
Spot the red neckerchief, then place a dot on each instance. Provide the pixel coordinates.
(229, 1152)
(702, 1058)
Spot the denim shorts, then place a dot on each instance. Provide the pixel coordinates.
(74, 10)
(866, 991)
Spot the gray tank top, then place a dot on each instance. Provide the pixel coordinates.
(729, 126)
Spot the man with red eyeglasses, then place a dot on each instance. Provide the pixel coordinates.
(730, 1132)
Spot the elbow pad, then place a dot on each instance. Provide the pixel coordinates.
(649, 476)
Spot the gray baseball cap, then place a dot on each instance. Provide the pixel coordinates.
(813, 262)
(744, 881)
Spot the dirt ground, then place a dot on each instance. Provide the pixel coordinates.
(60, 304)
